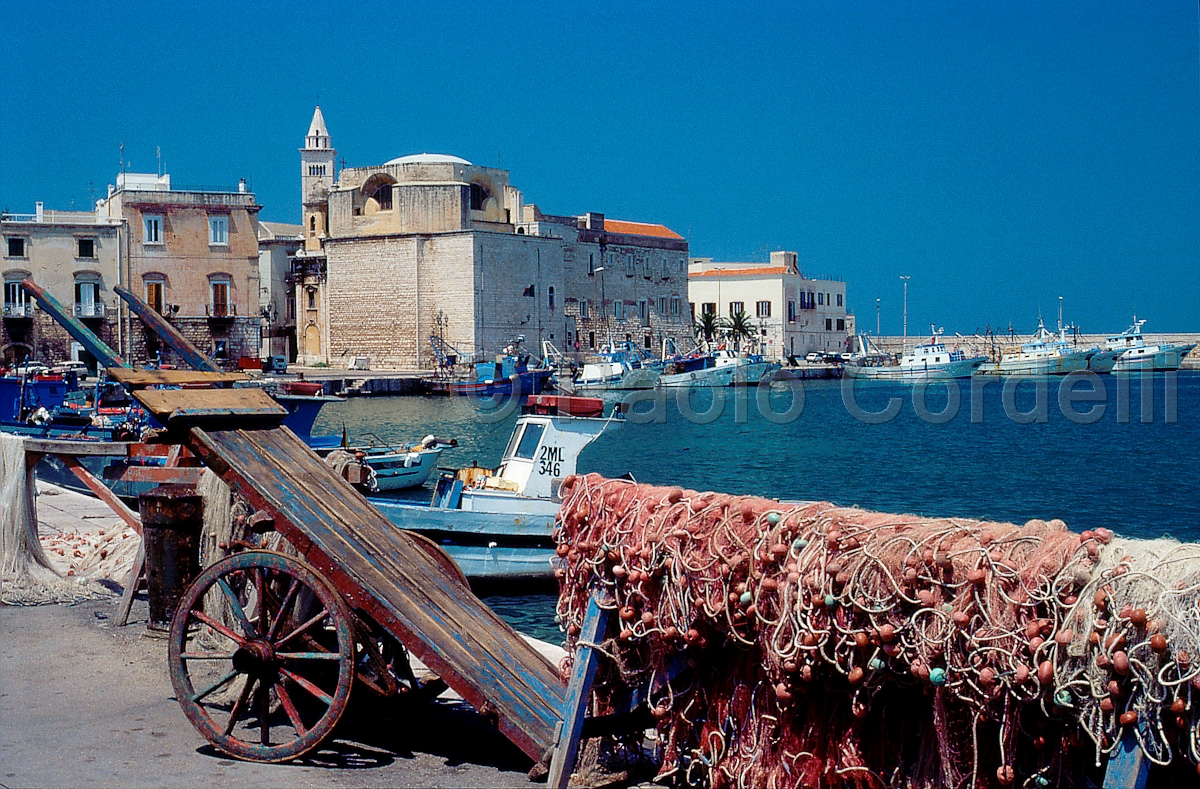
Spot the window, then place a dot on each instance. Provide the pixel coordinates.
(312, 298)
(646, 268)
(220, 297)
(829, 299)
(662, 305)
(646, 341)
(85, 247)
(529, 440)
(14, 296)
(675, 307)
(839, 299)
(592, 340)
(291, 306)
(16, 247)
(154, 295)
(791, 312)
(709, 308)
(735, 307)
(87, 297)
(591, 264)
(829, 324)
(666, 269)
(479, 196)
(644, 312)
(763, 309)
(821, 298)
(583, 308)
(618, 309)
(630, 266)
(152, 227)
(312, 225)
(218, 230)
(841, 324)
(550, 297)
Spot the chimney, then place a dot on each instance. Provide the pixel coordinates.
(39, 210)
(242, 186)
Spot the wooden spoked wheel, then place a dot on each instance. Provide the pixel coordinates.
(262, 656)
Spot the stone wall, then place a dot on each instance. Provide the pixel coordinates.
(240, 335)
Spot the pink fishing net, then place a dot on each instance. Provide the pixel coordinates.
(805, 645)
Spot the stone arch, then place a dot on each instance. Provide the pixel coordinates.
(312, 340)
(376, 193)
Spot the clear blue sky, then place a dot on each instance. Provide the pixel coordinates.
(1000, 153)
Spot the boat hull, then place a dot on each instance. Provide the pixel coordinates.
(1165, 359)
(964, 368)
(391, 473)
(1051, 365)
(1103, 361)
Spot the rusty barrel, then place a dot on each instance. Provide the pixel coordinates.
(172, 516)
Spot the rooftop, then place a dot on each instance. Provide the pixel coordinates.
(639, 229)
(428, 158)
(735, 270)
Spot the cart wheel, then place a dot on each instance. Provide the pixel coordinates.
(267, 676)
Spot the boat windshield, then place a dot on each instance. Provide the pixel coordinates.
(529, 441)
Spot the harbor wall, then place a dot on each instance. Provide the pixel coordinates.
(896, 343)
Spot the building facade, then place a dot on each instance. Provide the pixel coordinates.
(74, 256)
(793, 314)
(192, 255)
(431, 245)
(278, 243)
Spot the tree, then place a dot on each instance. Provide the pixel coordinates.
(741, 327)
(708, 326)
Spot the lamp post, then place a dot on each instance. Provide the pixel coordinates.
(876, 317)
(905, 279)
(597, 305)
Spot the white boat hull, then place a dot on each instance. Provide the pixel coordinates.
(1053, 365)
(390, 473)
(964, 368)
(1165, 358)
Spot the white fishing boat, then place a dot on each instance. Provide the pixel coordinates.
(930, 361)
(498, 524)
(1129, 352)
(1046, 354)
(617, 367)
(722, 367)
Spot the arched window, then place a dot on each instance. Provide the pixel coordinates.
(479, 196)
(312, 224)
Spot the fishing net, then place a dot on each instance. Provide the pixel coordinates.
(805, 645)
(27, 576)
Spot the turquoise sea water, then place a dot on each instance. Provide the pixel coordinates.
(1006, 451)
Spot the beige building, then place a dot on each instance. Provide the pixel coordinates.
(793, 314)
(278, 243)
(74, 256)
(432, 245)
(192, 254)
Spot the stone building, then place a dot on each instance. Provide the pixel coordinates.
(432, 245)
(191, 254)
(793, 314)
(74, 256)
(278, 243)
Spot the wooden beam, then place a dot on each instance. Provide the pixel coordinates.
(103, 492)
(579, 693)
(137, 379)
(50, 446)
(191, 405)
(131, 586)
(1128, 767)
(161, 475)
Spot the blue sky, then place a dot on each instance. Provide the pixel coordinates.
(1001, 154)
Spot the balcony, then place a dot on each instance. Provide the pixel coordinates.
(18, 310)
(220, 312)
(94, 310)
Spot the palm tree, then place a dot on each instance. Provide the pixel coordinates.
(708, 326)
(741, 327)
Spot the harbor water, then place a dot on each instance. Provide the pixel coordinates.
(1115, 451)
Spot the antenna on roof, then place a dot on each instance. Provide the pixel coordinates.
(158, 155)
(122, 164)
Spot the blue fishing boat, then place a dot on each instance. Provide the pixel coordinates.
(498, 523)
(510, 374)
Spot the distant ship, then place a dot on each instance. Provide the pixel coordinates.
(1046, 354)
(1129, 352)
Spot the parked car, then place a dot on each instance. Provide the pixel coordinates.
(814, 358)
(79, 368)
(31, 368)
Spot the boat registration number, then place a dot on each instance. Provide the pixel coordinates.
(550, 461)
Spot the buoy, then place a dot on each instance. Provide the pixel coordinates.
(773, 518)
(830, 601)
(745, 598)
(937, 676)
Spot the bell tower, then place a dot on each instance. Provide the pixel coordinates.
(317, 159)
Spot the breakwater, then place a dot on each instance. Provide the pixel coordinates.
(997, 344)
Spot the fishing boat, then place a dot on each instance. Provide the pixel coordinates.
(930, 361)
(1129, 352)
(1046, 354)
(56, 406)
(382, 467)
(617, 367)
(509, 374)
(722, 367)
(498, 523)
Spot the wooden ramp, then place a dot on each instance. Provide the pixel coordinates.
(410, 590)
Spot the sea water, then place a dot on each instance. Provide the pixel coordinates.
(1115, 451)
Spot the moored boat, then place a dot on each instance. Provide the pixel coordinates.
(498, 524)
(722, 367)
(1131, 353)
(1046, 354)
(930, 361)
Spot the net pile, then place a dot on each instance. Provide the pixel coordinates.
(807, 645)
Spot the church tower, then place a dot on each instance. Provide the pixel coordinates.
(317, 159)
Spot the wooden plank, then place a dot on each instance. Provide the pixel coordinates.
(131, 586)
(162, 475)
(61, 447)
(1128, 767)
(103, 492)
(142, 378)
(188, 405)
(380, 569)
(579, 693)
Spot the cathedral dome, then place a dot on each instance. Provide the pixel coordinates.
(428, 158)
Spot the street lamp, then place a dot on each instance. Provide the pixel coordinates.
(597, 306)
(876, 317)
(905, 280)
